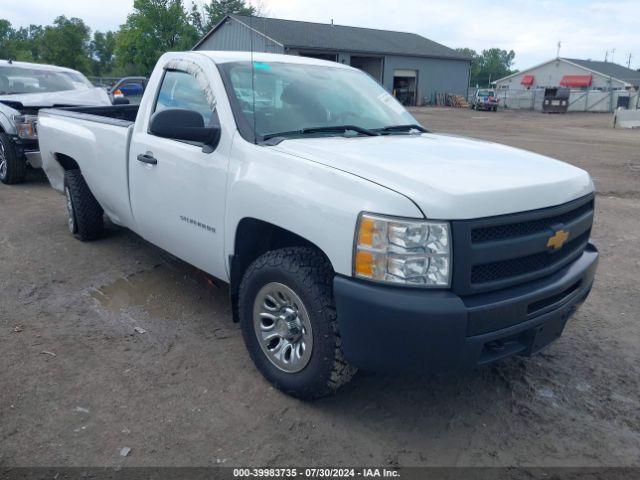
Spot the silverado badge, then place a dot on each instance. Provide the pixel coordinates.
(558, 239)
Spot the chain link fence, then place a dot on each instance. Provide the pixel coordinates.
(579, 100)
(103, 81)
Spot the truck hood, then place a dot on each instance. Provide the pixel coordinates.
(450, 177)
(89, 97)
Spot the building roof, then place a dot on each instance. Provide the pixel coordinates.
(322, 36)
(607, 69)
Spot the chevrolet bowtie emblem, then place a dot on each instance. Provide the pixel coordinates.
(558, 239)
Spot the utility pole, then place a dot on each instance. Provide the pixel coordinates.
(629, 62)
(559, 46)
(606, 55)
(613, 51)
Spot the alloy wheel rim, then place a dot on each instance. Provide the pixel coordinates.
(282, 327)
(71, 219)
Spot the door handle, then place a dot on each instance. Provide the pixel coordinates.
(147, 158)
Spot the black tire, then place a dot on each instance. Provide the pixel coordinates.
(13, 168)
(85, 215)
(306, 272)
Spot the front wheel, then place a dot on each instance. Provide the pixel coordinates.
(13, 168)
(289, 323)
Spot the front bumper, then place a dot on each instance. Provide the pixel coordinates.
(34, 158)
(391, 329)
(30, 150)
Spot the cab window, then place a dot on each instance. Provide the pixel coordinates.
(182, 90)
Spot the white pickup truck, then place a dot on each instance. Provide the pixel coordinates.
(24, 89)
(350, 236)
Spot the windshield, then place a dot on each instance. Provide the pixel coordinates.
(15, 80)
(486, 93)
(291, 97)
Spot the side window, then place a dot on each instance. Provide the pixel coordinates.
(182, 90)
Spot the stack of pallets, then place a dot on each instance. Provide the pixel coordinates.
(449, 100)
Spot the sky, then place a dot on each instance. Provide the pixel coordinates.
(532, 28)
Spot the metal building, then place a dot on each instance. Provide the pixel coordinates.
(411, 67)
(573, 73)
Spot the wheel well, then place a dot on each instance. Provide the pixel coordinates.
(66, 162)
(253, 239)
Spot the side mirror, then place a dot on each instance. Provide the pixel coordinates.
(181, 124)
(121, 101)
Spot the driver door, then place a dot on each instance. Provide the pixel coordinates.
(178, 198)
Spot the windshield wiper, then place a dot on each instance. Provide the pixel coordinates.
(329, 129)
(402, 128)
(341, 128)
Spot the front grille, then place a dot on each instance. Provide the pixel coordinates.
(501, 232)
(500, 252)
(491, 272)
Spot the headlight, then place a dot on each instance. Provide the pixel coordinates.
(401, 251)
(26, 126)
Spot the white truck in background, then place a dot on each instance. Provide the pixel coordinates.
(350, 236)
(24, 89)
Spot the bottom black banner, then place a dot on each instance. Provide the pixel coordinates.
(405, 473)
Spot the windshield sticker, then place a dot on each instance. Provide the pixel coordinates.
(391, 102)
(261, 66)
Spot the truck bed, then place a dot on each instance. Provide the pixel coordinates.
(97, 140)
(121, 115)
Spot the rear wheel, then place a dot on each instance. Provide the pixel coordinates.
(289, 323)
(84, 213)
(13, 168)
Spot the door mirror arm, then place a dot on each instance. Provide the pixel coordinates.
(211, 145)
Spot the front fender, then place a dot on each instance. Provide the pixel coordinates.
(315, 201)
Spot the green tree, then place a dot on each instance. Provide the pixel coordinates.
(497, 63)
(153, 28)
(34, 37)
(21, 44)
(6, 34)
(490, 65)
(198, 18)
(205, 17)
(475, 63)
(103, 47)
(66, 43)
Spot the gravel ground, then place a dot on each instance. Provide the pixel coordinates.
(78, 383)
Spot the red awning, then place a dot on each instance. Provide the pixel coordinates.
(576, 81)
(527, 80)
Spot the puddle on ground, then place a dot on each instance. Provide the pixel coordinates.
(165, 291)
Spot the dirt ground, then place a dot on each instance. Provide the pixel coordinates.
(77, 383)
